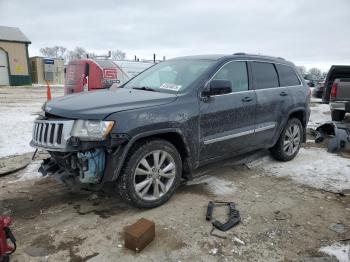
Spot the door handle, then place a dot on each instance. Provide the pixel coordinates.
(247, 99)
(283, 93)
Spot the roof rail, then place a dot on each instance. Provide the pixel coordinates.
(280, 58)
(239, 53)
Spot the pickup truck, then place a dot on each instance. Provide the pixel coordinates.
(340, 98)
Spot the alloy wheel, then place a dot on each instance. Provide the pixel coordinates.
(154, 175)
(291, 141)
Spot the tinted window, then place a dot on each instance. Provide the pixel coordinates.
(287, 76)
(265, 75)
(236, 72)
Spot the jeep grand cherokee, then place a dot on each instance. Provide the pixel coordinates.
(174, 117)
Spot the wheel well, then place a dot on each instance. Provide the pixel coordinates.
(299, 115)
(177, 141)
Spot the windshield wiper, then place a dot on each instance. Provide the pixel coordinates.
(145, 88)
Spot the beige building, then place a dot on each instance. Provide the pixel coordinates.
(14, 60)
(44, 68)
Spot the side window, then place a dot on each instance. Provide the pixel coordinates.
(287, 76)
(236, 72)
(265, 75)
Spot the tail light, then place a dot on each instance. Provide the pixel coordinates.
(334, 91)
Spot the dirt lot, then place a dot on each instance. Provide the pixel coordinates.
(287, 212)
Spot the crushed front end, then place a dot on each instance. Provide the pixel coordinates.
(81, 151)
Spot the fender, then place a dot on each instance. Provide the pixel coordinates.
(283, 124)
(117, 158)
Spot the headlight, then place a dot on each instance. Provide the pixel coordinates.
(91, 130)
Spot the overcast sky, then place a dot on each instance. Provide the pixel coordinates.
(308, 32)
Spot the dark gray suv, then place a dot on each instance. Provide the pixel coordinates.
(172, 118)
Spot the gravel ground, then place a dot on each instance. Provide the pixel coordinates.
(285, 217)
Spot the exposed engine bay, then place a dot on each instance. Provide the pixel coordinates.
(84, 167)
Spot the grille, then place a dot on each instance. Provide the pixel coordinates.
(51, 134)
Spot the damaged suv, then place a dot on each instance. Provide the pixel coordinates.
(149, 134)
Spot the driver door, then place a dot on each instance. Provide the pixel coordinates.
(227, 121)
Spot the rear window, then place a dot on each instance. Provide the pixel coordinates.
(265, 75)
(287, 76)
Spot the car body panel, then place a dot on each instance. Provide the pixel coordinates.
(100, 104)
(219, 127)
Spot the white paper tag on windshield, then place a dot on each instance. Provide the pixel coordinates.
(172, 87)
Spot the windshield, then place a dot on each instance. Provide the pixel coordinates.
(170, 76)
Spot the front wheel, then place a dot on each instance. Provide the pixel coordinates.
(151, 174)
(289, 142)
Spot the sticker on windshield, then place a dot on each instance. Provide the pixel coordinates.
(172, 87)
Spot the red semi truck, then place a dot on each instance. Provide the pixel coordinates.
(92, 74)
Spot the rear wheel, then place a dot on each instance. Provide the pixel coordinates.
(337, 115)
(151, 174)
(289, 142)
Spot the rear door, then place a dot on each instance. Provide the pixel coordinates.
(227, 121)
(274, 99)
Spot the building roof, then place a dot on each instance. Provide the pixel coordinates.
(12, 34)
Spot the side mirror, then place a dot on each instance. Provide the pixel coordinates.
(218, 87)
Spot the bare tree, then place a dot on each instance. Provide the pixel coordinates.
(48, 51)
(54, 52)
(61, 51)
(118, 55)
(302, 69)
(315, 73)
(77, 53)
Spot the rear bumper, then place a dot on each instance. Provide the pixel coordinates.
(340, 105)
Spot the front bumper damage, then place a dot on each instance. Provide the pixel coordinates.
(84, 170)
(74, 169)
(78, 164)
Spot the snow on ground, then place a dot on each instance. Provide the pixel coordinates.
(16, 130)
(312, 166)
(29, 173)
(320, 113)
(215, 185)
(341, 252)
(18, 109)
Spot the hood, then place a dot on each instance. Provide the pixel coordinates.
(100, 104)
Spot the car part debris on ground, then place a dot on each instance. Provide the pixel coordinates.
(5, 234)
(139, 235)
(218, 227)
(339, 133)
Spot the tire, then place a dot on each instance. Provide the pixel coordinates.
(166, 177)
(5, 258)
(337, 115)
(281, 151)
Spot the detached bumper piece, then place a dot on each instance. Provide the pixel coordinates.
(341, 140)
(233, 215)
(338, 132)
